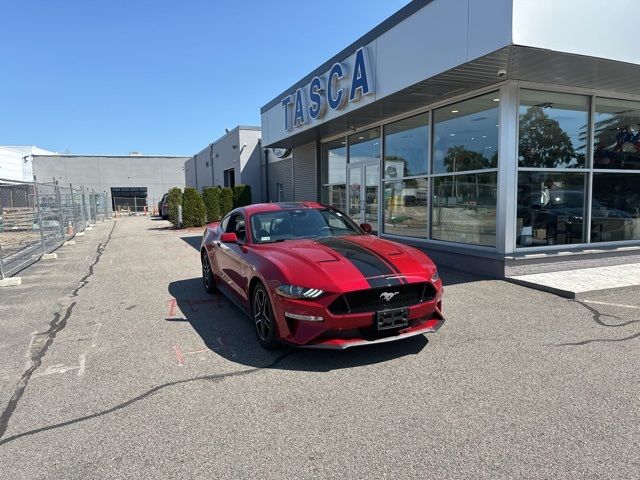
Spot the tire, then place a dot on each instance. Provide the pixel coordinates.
(262, 316)
(207, 275)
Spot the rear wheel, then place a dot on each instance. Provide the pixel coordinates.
(207, 274)
(263, 318)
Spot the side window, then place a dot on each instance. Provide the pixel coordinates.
(236, 225)
(225, 222)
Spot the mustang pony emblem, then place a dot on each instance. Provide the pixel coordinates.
(386, 296)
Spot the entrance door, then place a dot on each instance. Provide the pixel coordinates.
(364, 184)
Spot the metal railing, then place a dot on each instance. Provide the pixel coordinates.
(36, 218)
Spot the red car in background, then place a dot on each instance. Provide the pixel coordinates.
(309, 276)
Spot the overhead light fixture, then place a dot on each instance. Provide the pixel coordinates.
(496, 99)
(455, 111)
(452, 134)
(360, 138)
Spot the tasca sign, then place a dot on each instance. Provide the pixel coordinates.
(341, 85)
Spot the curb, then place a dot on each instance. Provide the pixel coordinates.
(570, 293)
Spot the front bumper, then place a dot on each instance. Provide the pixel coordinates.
(429, 325)
(339, 332)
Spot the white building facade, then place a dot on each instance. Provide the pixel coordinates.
(16, 162)
(502, 135)
(235, 158)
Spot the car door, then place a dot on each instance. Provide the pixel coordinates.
(234, 270)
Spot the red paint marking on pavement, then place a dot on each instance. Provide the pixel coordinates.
(173, 303)
(179, 355)
(197, 351)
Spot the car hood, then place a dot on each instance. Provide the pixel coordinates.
(347, 263)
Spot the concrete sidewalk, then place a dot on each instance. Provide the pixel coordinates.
(585, 281)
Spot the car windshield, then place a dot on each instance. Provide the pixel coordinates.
(280, 225)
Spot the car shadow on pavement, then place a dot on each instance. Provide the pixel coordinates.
(193, 240)
(228, 332)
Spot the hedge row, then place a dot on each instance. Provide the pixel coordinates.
(211, 206)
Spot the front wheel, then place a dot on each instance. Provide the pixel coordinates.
(263, 318)
(207, 274)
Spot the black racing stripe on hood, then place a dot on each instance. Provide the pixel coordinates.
(375, 270)
(383, 259)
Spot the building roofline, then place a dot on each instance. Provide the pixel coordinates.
(230, 132)
(402, 14)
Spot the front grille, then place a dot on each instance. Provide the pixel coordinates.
(371, 300)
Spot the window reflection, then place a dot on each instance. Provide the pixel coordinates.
(365, 146)
(405, 207)
(464, 208)
(550, 208)
(466, 135)
(615, 208)
(553, 129)
(406, 147)
(335, 195)
(334, 165)
(617, 134)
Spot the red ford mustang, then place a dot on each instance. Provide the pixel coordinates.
(309, 276)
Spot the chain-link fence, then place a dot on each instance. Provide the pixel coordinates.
(36, 218)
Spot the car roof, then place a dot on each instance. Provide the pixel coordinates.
(270, 207)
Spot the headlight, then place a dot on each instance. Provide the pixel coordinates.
(435, 277)
(292, 291)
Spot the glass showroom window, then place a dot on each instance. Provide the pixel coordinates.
(406, 154)
(553, 129)
(616, 143)
(334, 173)
(551, 208)
(365, 146)
(553, 133)
(463, 206)
(615, 207)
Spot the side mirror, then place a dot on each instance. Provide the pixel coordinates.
(229, 237)
(366, 227)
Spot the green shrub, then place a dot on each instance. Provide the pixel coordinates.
(193, 210)
(226, 201)
(241, 195)
(211, 197)
(174, 199)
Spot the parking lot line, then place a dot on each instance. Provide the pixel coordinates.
(621, 305)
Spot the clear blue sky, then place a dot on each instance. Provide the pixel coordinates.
(160, 77)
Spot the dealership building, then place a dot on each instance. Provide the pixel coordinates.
(501, 135)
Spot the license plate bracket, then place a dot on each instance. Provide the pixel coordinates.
(392, 319)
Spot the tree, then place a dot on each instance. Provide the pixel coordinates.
(174, 199)
(459, 159)
(226, 201)
(543, 143)
(241, 195)
(212, 203)
(193, 209)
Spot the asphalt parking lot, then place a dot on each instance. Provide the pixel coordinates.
(114, 363)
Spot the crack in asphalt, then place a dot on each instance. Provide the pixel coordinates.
(601, 340)
(57, 324)
(213, 378)
(597, 317)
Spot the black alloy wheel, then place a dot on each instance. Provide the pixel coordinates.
(263, 318)
(207, 275)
